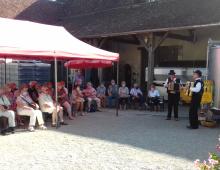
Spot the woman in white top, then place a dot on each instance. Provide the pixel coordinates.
(153, 95)
(47, 105)
(27, 107)
(6, 112)
(123, 95)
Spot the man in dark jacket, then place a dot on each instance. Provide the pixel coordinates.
(33, 91)
(173, 85)
(197, 92)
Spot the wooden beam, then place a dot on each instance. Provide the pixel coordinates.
(161, 41)
(142, 42)
(193, 34)
(102, 42)
(189, 38)
(125, 41)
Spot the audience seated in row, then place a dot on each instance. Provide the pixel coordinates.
(34, 100)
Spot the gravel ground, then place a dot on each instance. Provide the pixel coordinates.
(100, 141)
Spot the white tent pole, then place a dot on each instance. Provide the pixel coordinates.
(5, 71)
(56, 97)
(67, 77)
(117, 100)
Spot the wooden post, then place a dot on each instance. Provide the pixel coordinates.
(100, 70)
(150, 47)
(148, 44)
(150, 60)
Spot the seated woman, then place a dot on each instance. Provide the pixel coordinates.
(47, 105)
(101, 94)
(6, 112)
(123, 95)
(153, 96)
(90, 94)
(12, 93)
(78, 100)
(63, 100)
(27, 107)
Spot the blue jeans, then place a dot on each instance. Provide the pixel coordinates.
(111, 101)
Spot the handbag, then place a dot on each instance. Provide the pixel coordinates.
(32, 105)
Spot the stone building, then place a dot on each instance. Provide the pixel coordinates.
(146, 33)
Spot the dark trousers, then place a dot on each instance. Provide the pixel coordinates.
(193, 111)
(139, 99)
(154, 101)
(123, 100)
(173, 102)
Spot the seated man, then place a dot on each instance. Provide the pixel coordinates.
(47, 105)
(112, 93)
(153, 96)
(101, 94)
(137, 95)
(5, 112)
(123, 95)
(27, 107)
(90, 94)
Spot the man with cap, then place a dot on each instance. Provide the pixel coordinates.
(197, 92)
(173, 85)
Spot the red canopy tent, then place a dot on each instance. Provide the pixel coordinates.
(82, 64)
(28, 40)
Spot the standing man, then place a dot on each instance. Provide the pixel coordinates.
(173, 85)
(197, 92)
(79, 78)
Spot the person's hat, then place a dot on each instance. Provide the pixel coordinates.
(198, 72)
(172, 72)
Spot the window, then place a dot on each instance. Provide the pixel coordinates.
(165, 54)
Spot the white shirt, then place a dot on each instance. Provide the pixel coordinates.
(4, 101)
(154, 93)
(23, 102)
(197, 88)
(46, 99)
(167, 81)
(136, 91)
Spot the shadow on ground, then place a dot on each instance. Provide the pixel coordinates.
(148, 131)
